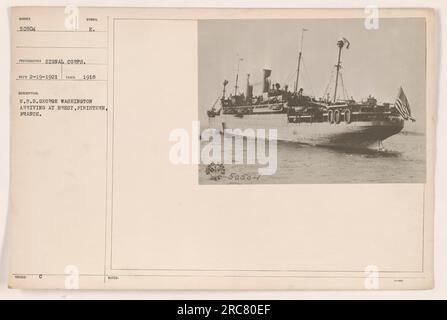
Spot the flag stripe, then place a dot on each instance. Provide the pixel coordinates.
(402, 105)
(399, 108)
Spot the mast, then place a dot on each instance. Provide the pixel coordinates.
(299, 61)
(340, 45)
(237, 76)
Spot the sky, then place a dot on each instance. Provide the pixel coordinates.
(377, 62)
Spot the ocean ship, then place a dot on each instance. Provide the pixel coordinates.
(326, 121)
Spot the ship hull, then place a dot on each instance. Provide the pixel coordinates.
(358, 134)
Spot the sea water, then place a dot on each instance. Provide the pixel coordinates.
(403, 160)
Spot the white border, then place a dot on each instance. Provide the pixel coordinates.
(440, 290)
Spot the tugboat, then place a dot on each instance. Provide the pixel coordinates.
(326, 121)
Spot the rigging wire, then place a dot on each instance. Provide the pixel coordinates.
(214, 104)
(342, 86)
(328, 87)
(290, 77)
(345, 90)
(308, 76)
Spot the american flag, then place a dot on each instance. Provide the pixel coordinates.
(403, 106)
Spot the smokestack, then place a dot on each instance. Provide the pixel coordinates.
(247, 90)
(266, 86)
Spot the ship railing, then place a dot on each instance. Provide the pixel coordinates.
(280, 104)
(302, 117)
(267, 111)
(331, 106)
(368, 112)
